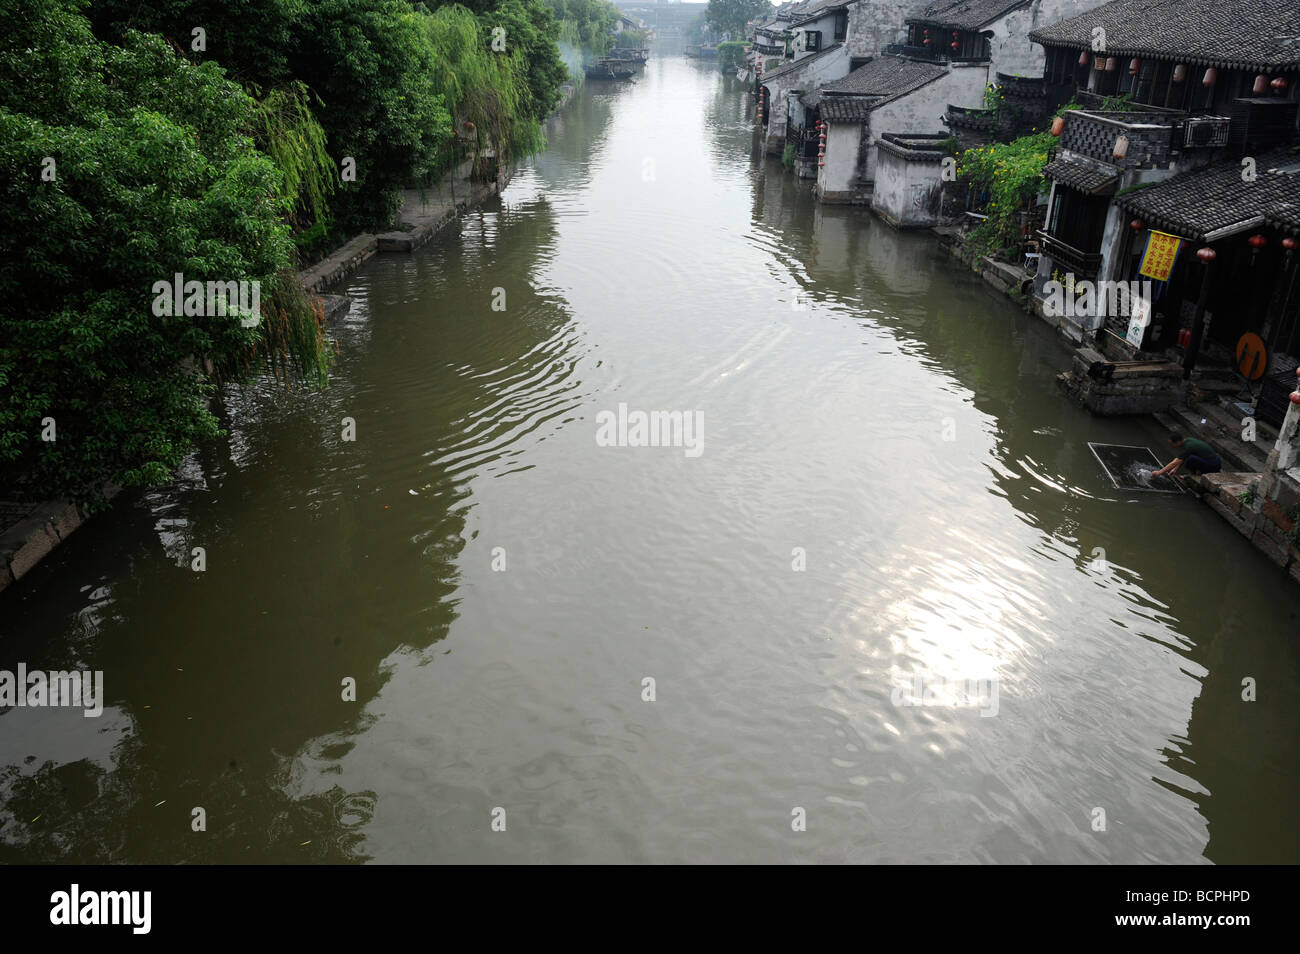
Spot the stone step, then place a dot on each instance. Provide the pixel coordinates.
(1236, 454)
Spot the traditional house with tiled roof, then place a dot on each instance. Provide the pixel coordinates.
(1210, 96)
(856, 110)
(850, 31)
(1251, 284)
(775, 87)
(952, 51)
(989, 39)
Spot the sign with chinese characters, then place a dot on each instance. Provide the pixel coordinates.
(1162, 252)
(1140, 317)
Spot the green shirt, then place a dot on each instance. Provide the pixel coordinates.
(1192, 445)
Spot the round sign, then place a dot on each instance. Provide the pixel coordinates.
(1252, 356)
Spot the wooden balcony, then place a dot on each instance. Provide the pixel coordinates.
(1083, 264)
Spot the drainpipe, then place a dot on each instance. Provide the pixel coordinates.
(1206, 255)
(1285, 451)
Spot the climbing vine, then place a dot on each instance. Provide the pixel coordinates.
(1011, 176)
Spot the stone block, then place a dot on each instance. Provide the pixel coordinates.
(64, 517)
(1241, 526)
(1269, 548)
(1230, 499)
(39, 541)
(1277, 515)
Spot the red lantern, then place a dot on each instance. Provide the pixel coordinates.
(955, 34)
(1257, 241)
(1211, 77)
(1295, 397)
(1180, 73)
(1058, 125)
(1137, 225)
(1083, 58)
(1279, 84)
(1207, 254)
(926, 41)
(926, 32)
(1134, 66)
(1261, 85)
(1289, 244)
(955, 45)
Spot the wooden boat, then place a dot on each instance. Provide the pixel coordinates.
(629, 55)
(609, 69)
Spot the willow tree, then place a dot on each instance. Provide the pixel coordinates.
(484, 84)
(287, 130)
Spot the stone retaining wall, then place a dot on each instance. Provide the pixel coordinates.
(1261, 521)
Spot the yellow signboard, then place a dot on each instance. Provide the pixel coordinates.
(1158, 260)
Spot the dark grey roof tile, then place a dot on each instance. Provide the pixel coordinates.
(1241, 34)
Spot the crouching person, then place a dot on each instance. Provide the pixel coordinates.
(1194, 455)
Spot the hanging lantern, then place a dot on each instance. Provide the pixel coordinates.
(1211, 77)
(1207, 254)
(1180, 73)
(1137, 225)
(1257, 241)
(1083, 58)
(1261, 85)
(926, 31)
(1279, 84)
(926, 41)
(1121, 147)
(955, 45)
(1290, 244)
(955, 34)
(1134, 66)
(1058, 125)
(1111, 64)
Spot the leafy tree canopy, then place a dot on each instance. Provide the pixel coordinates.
(730, 16)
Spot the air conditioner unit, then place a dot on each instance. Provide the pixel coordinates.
(1206, 132)
(1260, 124)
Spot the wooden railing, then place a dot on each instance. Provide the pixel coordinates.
(1082, 264)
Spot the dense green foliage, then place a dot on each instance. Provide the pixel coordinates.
(731, 55)
(1010, 175)
(731, 16)
(208, 138)
(125, 165)
(377, 71)
(486, 90)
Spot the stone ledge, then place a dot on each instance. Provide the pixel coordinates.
(339, 264)
(1241, 526)
(1269, 548)
(25, 543)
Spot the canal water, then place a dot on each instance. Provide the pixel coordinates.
(884, 606)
